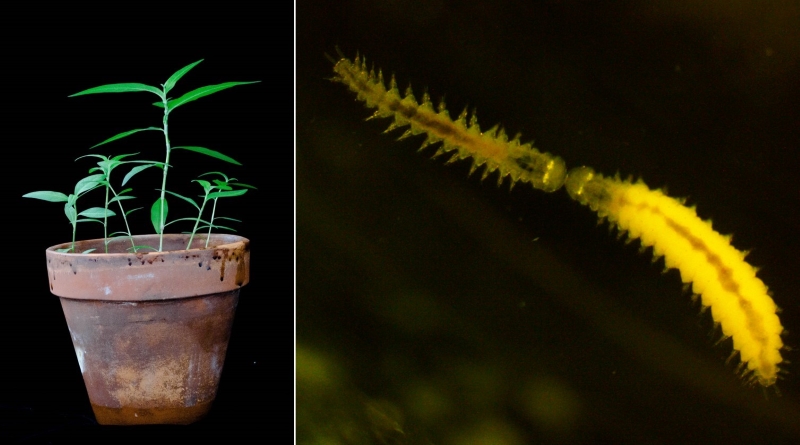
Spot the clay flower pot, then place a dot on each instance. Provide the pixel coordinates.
(151, 329)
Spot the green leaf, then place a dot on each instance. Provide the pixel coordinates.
(123, 134)
(215, 173)
(96, 212)
(124, 191)
(186, 219)
(118, 157)
(87, 251)
(120, 88)
(65, 250)
(239, 184)
(71, 213)
(88, 183)
(47, 196)
(173, 79)
(214, 226)
(120, 198)
(133, 248)
(227, 194)
(89, 220)
(229, 219)
(156, 216)
(134, 171)
(92, 155)
(200, 92)
(209, 152)
(189, 200)
(222, 185)
(205, 184)
(133, 210)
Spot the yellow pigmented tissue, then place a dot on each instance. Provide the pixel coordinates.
(727, 284)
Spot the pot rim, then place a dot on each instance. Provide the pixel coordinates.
(173, 273)
(226, 238)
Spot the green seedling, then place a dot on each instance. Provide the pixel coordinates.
(220, 189)
(83, 186)
(159, 209)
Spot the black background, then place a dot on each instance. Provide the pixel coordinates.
(411, 275)
(42, 395)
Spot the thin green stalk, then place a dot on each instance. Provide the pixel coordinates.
(124, 218)
(164, 178)
(105, 219)
(211, 221)
(197, 223)
(74, 230)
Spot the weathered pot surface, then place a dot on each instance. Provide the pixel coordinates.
(151, 330)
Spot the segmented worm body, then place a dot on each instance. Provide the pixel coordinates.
(739, 301)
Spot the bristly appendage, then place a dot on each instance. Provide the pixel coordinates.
(520, 162)
(739, 301)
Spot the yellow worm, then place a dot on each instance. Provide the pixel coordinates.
(727, 284)
(521, 162)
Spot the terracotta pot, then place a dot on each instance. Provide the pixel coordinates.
(151, 329)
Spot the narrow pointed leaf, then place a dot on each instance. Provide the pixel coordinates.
(97, 212)
(120, 88)
(183, 219)
(142, 247)
(47, 196)
(227, 194)
(133, 210)
(209, 152)
(215, 226)
(229, 219)
(118, 157)
(200, 92)
(189, 219)
(120, 198)
(134, 171)
(189, 200)
(89, 220)
(215, 173)
(88, 183)
(87, 251)
(156, 216)
(173, 79)
(239, 184)
(92, 155)
(123, 134)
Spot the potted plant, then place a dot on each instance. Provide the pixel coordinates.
(150, 315)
